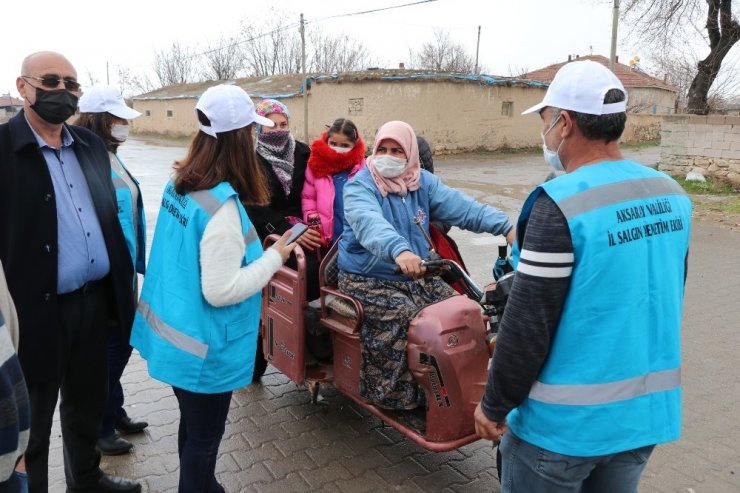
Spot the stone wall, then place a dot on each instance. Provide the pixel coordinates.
(709, 145)
(641, 128)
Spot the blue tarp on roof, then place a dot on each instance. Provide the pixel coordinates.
(483, 79)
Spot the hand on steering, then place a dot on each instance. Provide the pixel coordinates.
(511, 236)
(410, 264)
(310, 240)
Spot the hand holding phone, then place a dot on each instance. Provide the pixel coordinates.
(296, 231)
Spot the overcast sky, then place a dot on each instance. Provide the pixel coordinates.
(523, 34)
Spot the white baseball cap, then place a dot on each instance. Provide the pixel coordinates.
(228, 108)
(581, 86)
(102, 99)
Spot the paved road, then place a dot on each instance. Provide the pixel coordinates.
(277, 441)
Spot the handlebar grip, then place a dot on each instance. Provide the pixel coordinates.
(397, 269)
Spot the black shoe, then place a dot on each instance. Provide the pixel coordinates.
(113, 445)
(110, 484)
(127, 426)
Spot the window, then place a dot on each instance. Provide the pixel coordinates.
(147, 113)
(507, 108)
(355, 106)
(169, 113)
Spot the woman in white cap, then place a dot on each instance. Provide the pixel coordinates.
(104, 111)
(198, 316)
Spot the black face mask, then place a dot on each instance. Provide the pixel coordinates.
(55, 106)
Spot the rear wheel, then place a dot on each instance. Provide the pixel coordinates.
(260, 363)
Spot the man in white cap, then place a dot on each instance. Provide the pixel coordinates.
(585, 379)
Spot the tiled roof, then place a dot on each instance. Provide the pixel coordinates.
(6, 100)
(630, 77)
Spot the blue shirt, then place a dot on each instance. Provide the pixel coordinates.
(339, 180)
(82, 254)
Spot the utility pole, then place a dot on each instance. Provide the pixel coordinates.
(615, 24)
(107, 73)
(477, 49)
(305, 82)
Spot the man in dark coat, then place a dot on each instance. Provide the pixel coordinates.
(67, 266)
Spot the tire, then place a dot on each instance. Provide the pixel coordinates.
(260, 363)
(425, 154)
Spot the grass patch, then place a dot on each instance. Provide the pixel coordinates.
(732, 206)
(709, 187)
(506, 151)
(641, 145)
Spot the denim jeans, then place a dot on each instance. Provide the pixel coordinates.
(531, 469)
(202, 425)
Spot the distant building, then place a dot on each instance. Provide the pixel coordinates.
(455, 112)
(9, 106)
(647, 94)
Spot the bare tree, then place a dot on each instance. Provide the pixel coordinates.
(142, 83)
(175, 66)
(92, 80)
(680, 68)
(667, 23)
(274, 49)
(517, 71)
(223, 59)
(339, 53)
(444, 54)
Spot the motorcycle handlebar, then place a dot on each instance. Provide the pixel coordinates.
(473, 291)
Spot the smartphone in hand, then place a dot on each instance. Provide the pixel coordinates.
(297, 231)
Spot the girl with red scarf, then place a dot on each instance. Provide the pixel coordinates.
(335, 158)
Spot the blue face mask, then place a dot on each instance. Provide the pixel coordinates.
(552, 158)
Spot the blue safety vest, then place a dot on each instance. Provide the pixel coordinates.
(186, 342)
(611, 381)
(136, 243)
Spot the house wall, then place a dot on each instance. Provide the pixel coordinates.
(651, 100)
(709, 145)
(641, 128)
(154, 117)
(452, 116)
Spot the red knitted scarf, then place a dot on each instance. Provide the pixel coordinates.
(325, 161)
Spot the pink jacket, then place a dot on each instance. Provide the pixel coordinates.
(317, 197)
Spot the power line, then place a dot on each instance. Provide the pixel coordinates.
(374, 10)
(298, 24)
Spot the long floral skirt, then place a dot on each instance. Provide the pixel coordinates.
(389, 306)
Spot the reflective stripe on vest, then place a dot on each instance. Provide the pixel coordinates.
(251, 235)
(605, 393)
(181, 341)
(119, 183)
(615, 193)
(206, 200)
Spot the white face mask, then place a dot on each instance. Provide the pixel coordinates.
(552, 158)
(340, 150)
(119, 132)
(389, 166)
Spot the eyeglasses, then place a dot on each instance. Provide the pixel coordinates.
(52, 82)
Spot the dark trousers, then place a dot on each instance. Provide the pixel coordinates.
(202, 425)
(119, 352)
(10, 485)
(312, 273)
(83, 381)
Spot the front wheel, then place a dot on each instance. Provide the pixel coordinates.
(260, 363)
